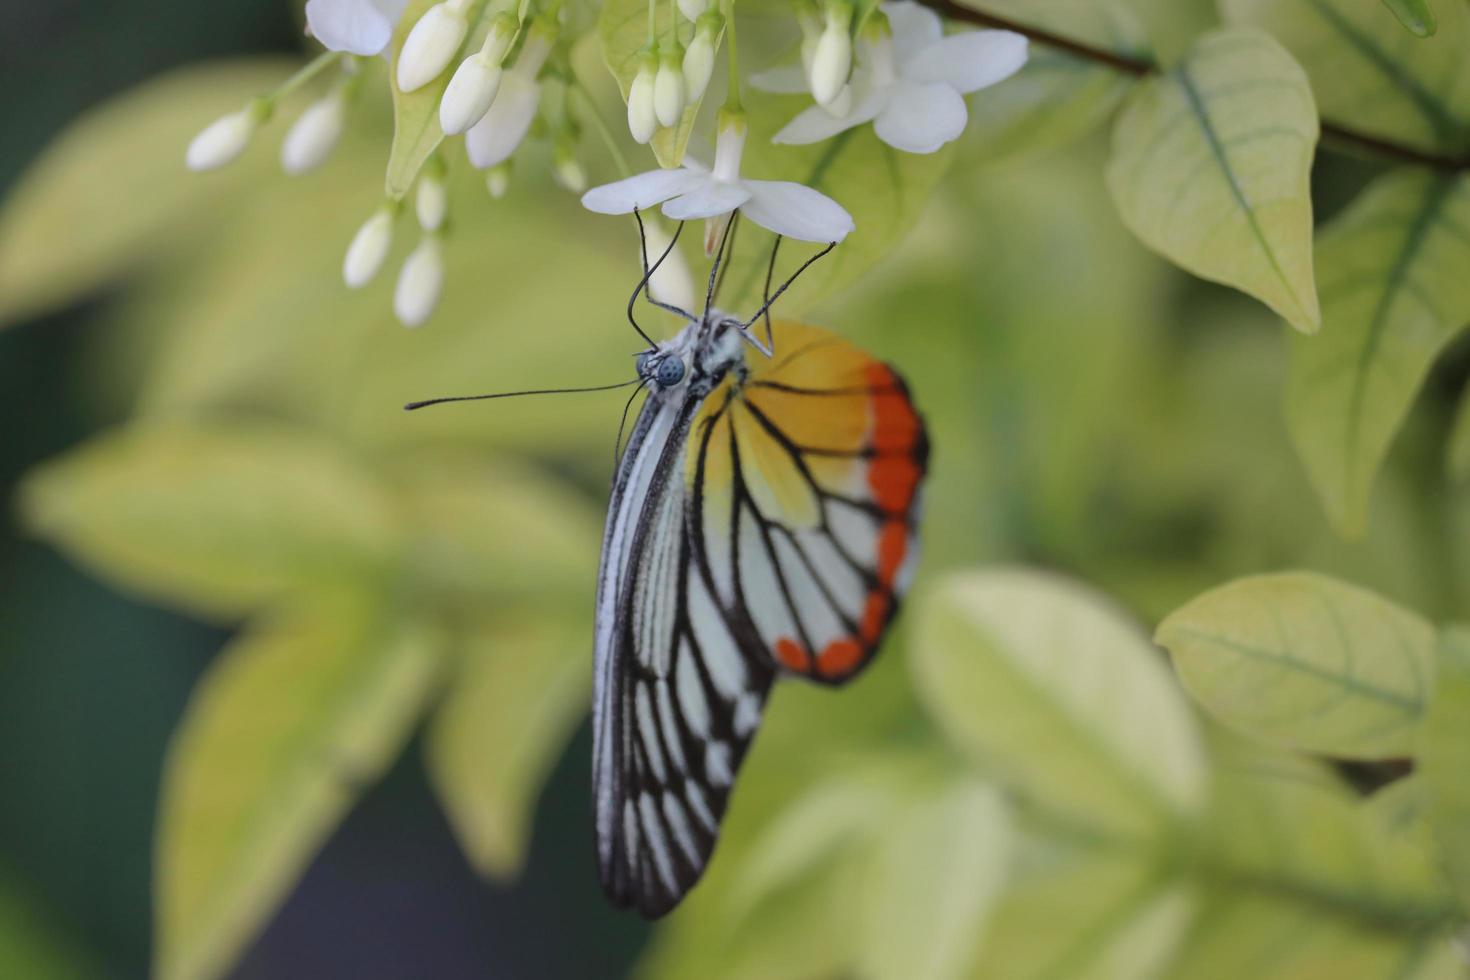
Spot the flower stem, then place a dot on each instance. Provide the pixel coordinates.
(1345, 136)
(652, 23)
(306, 73)
(732, 97)
(599, 124)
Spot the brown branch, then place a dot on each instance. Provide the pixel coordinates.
(1140, 66)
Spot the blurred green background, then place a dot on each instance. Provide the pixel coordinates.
(1092, 409)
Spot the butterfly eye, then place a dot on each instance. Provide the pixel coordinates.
(670, 371)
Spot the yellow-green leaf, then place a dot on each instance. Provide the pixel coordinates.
(1211, 166)
(623, 29)
(517, 694)
(416, 130)
(288, 727)
(484, 527)
(1098, 915)
(1056, 690)
(1369, 73)
(214, 518)
(1416, 16)
(1394, 294)
(1306, 661)
(73, 222)
(1457, 453)
(1057, 97)
(33, 943)
(934, 876)
(1444, 758)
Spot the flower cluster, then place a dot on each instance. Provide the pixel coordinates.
(890, 65)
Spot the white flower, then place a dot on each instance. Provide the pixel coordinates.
(355, 26)
(668, 86)
(910, 86)
(368, 249)
(314, 135)
(642, 115)
(495, 137)
(222, 141)
(431, 202)
(671, 282)
(432, 44)
(420, 283)
(691, 192)
(832, 55)
(699, 57)
(497, 180)
(472, 89)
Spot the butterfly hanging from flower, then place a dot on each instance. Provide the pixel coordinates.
(762, 523)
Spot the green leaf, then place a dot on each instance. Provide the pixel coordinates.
(622, 28)
(73, 222)
(1394, 295)
(1368, 72)
(1285, 824)
(1057, 691)
(416, 131)
(1444, 758)
(1212, 164)
(217, 518)
(519, 691)
(1416, 16)
(1101, 915)
(1057, 97)
(1457, 453)
(934, 877)
(485, 527)
(290, 724)
(1307, 662)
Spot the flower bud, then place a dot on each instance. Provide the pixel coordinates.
(222, 140)
(568, 170)
(368, 249)
(431, 202)
(314, 135)
(469, 95)
(642, 117)
(668, 86)
(832, 56)
(432, 44)
(497, 179)
(691, 9)
(420, 283)
(699, 57)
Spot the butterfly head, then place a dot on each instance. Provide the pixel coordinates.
(697, 359)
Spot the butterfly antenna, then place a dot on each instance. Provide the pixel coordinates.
(716, 271)
(787, 285)
(622, 424)
(414, 406)
(729, 258)
(642, 286)
(766, 298)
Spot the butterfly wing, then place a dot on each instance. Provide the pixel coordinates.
(677, 699)
(806, 482)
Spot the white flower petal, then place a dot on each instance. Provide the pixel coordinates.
(641, 191)
(969, 62)
(356, 26)
(914, 27)
(495, 137)
(921, 118)
(815, 123)
(796, 211)
(784, 80)
(709, 198)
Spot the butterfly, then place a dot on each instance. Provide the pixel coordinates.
(762, 523)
